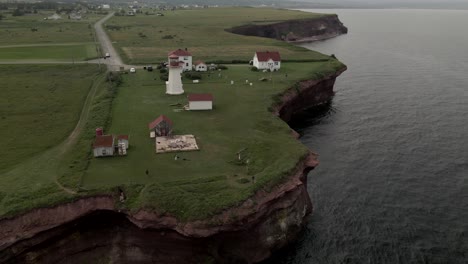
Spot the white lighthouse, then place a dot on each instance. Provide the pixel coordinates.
(174, 84)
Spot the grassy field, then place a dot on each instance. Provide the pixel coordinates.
(203, 182)
(39, 106)
(61, 39)
(78, 52)
(148, 39)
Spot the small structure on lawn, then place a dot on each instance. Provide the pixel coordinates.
(200, 102)
(182, 56)
(109, 145)
(103, 146)
(176, 144)
(160, 127)
(174, 82)
(200, 66)
(267, 60)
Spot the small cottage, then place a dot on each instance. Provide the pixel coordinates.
(183, 56)
(161, 126)
(103, 146)
(200, 66)
(200, 102)
(267, 60)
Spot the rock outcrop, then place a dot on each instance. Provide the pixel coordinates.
(302, 30)
(92, 228)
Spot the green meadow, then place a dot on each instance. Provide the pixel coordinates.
(70, 53)
(30, 37)
(148, 39)
(49, 114)
(202, 183)
(39, 108)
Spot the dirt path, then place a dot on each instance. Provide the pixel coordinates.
(73, 137)
(114, 62)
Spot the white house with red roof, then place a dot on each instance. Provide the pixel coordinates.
(200, 102)
(104, 146)
(200, 66)
(267, 60)
(184, 57)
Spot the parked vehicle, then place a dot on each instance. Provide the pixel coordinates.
(132, 70)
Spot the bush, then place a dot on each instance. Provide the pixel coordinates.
(167, 37)
(193, 75)
(255, 69)
(114, 77)
(162, 70)
(222, 67)
(164, 77)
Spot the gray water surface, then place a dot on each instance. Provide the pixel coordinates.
(392, 184)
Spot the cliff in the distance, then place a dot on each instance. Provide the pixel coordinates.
(94, 228)
(303, 30)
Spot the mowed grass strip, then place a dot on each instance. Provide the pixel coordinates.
(146, 39)
(202, 183)
(68, 53)
(39, 107)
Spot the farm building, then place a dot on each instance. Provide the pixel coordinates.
(103, 146)
(267, 60)
(182, 56)
(200, 66)
(174, 84)
(161, 127)
(200, 102)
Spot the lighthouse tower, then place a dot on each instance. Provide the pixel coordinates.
(174, 84)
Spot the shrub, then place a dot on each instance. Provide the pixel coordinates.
(222, 67)
(167, 37)
(162, 70)
(164, 77)
(114, 77)
(193, 75)
(255, 69)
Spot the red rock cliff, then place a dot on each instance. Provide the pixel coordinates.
(91, 228)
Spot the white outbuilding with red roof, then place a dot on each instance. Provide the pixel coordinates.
(267, 60)
(200, 101)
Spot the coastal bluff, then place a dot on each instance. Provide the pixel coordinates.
(295, 31)
(95, 228)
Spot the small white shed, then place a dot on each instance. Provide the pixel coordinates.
(200, 101)
(103, 146)
(200, 66)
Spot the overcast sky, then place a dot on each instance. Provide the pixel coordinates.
(396, 3)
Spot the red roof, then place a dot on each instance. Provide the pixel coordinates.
(159, 120)
(106, 141)
(200, 97)
(199, 62)
(266, 55)
(180, 52)
(122, 137)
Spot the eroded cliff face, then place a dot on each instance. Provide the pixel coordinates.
(94, 229)
(303, 30)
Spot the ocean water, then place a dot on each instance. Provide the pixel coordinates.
(392, 184)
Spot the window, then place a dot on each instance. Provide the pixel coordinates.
(276, 63)
(186, 64)
(185, 58)
(104, 152)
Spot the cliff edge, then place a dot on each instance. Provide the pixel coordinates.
(296, 31)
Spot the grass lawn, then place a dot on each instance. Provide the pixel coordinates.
(148, 39)
(79, 52)
(39, 107)
(18, 30)
(210, 179)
